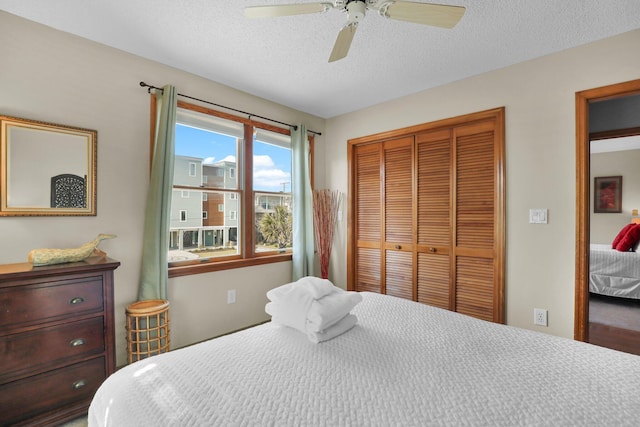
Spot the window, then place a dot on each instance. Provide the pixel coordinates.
(242, 215)
(272, 191)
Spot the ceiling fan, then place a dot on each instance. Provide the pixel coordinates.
(421, 13)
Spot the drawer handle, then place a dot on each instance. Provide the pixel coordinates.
(79, 384)
(77, 342)
(398, 247)
(76, 300)
(432, 250)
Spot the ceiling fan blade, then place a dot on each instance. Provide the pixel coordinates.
(438, 15)
(285, 9)
(343, 42)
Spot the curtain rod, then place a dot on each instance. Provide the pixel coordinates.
(143, 84)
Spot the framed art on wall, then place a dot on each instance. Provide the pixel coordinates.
(607, 194)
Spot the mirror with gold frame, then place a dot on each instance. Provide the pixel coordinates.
(47, 169)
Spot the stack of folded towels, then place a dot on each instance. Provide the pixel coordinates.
(313, 306)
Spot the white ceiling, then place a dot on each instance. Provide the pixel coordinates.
(615, 144)
(284, 59)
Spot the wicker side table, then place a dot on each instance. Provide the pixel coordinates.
(147, 329)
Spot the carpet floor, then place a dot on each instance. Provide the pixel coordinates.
(78, 422)
(619, 312)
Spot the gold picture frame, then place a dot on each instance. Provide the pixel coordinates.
(46, 169)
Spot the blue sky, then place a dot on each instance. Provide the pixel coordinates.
(271, 164)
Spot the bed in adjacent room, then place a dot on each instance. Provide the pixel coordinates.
(404, 363)
(614, 273)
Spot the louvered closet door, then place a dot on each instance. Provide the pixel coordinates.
(475, 216)
(368, 217)
(398, 218)
(434, 166)
(428, 214)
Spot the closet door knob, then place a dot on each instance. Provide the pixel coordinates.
(432, 250)
(398, 247)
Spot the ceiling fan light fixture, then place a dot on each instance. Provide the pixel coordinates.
(422, 13)
(356, 10)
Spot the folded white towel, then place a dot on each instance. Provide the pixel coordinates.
(313, 286)
(293, 315)
(342, 326)
(327, 311)
(307, 315)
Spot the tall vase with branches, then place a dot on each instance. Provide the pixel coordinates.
(325, 213)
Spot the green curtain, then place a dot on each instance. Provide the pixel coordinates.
(303, 243)
(154, 271)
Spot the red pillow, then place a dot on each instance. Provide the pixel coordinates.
(630, 239)
(621, 234)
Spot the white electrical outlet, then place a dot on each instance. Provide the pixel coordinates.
(540, 316)
(231, 296)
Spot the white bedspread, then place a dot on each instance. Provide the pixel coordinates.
(404, 364)
(614, 273)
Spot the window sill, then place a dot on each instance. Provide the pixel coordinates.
(207, 267)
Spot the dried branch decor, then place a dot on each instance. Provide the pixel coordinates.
(325, 214)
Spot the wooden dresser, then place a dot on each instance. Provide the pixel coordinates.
(57, 341)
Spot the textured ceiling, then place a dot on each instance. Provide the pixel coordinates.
(284, 59)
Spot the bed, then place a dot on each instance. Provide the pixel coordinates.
(614, 273)
(404, 363)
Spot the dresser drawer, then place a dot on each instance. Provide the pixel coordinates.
(36, 303)
(29, 397)
(47, 348)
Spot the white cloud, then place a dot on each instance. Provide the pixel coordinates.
(209, 161)
(262, 161)
(229, 159)
(266, 176)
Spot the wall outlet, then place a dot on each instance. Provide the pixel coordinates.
(231, 296)
(540, 316)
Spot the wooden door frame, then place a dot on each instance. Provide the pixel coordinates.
(583, 181)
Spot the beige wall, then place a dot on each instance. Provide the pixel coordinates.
(539, 97)
(605, 226)
(55, 77)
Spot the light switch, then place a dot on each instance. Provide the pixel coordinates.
(537, 216)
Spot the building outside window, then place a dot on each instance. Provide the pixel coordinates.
(211, 148)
